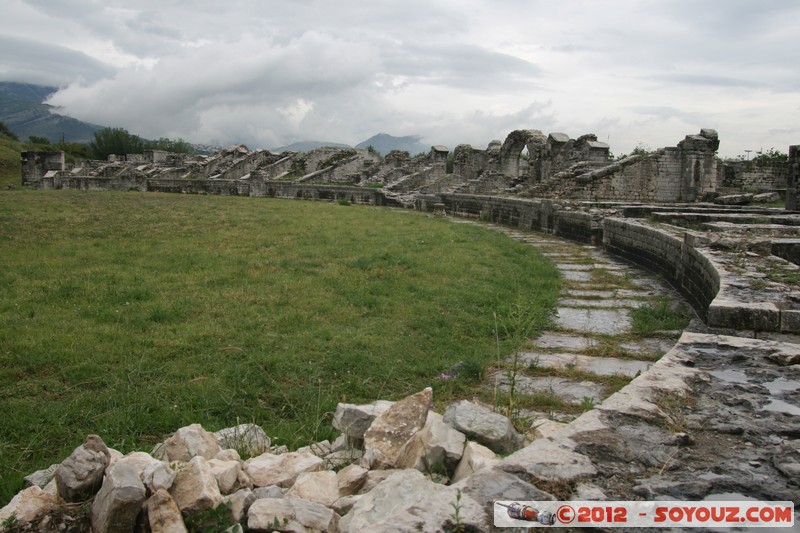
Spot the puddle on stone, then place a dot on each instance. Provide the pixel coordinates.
(728, 497)
(779, 406)
(781, 385)
(731, 376)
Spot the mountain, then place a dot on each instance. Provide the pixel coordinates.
(22, 110)
(385, 143)
(307, 146)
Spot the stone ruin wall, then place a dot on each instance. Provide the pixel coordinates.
(527, 164)
(753, 176)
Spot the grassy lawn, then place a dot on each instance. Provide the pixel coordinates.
(130, 315)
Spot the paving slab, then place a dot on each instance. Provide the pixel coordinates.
(603, 321)
(601, 366)
(574, 266)
(609, 303)
(648, 346)
(563, 341)
(574, 275)
(569, 390)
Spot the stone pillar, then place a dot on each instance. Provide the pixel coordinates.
(793, 179)
(438, 156)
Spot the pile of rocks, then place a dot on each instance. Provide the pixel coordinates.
(390, 458)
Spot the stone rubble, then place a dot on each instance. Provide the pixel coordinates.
(292, 491)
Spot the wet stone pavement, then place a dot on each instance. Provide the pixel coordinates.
(592, 350)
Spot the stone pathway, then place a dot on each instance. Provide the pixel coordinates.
(592, 350)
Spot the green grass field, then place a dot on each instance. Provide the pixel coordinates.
(130, 315)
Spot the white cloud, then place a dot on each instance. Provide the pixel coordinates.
(269, 73)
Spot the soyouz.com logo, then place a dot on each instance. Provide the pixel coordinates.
(644, 514)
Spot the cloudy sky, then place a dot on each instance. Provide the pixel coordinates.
(268, 73)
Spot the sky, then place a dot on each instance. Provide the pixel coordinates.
(265, 73)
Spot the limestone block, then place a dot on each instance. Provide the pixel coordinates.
(119, 501)
(493, 430)
(240, 501)
(229, 454)
(393, 430)
(158, 475)
(343, 457)
(248, 439)
(790, 321)
(344, 504)
(354, 420)
(551, 460)
(544, 427)
(476, 457)
(81, 474)
(163, 514)
(759, 316)
(29, 503)
(282, 470)
(435, 445)
(191, 441)
(229, 474)
(273, 491)
(195, 487)
(375, 478)
(407, 501)
(292, 515)
(40, 478)
(320, 487)
(350, 479)
(492, 484)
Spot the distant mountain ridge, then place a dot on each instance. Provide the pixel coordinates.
(307, 146)
(22, 110)
(385, 143)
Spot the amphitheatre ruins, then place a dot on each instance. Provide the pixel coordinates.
(716, 417)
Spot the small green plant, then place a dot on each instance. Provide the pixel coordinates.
(279, 525)
(587, 403)
(343, 201)
(458, 523)
(9, 523)
(211, 520)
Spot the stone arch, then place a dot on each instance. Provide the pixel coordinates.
(535, 141)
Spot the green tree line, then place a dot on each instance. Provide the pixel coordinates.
(107, 141)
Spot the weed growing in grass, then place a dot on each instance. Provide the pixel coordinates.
(522, 322)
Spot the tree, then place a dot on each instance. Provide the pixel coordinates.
(35, 139)
(178, 146)
(115, 141)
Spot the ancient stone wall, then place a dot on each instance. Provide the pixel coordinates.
(793, 178)
(35, 165)
(753, 175)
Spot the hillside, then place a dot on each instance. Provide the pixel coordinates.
(385, 143)
(22, 110)
(9, 161)
(307, 146)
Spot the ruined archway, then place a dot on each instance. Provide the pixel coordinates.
(510, 153)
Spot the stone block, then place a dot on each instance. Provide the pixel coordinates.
(119, 501)
(491, 429)
(81, 474)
